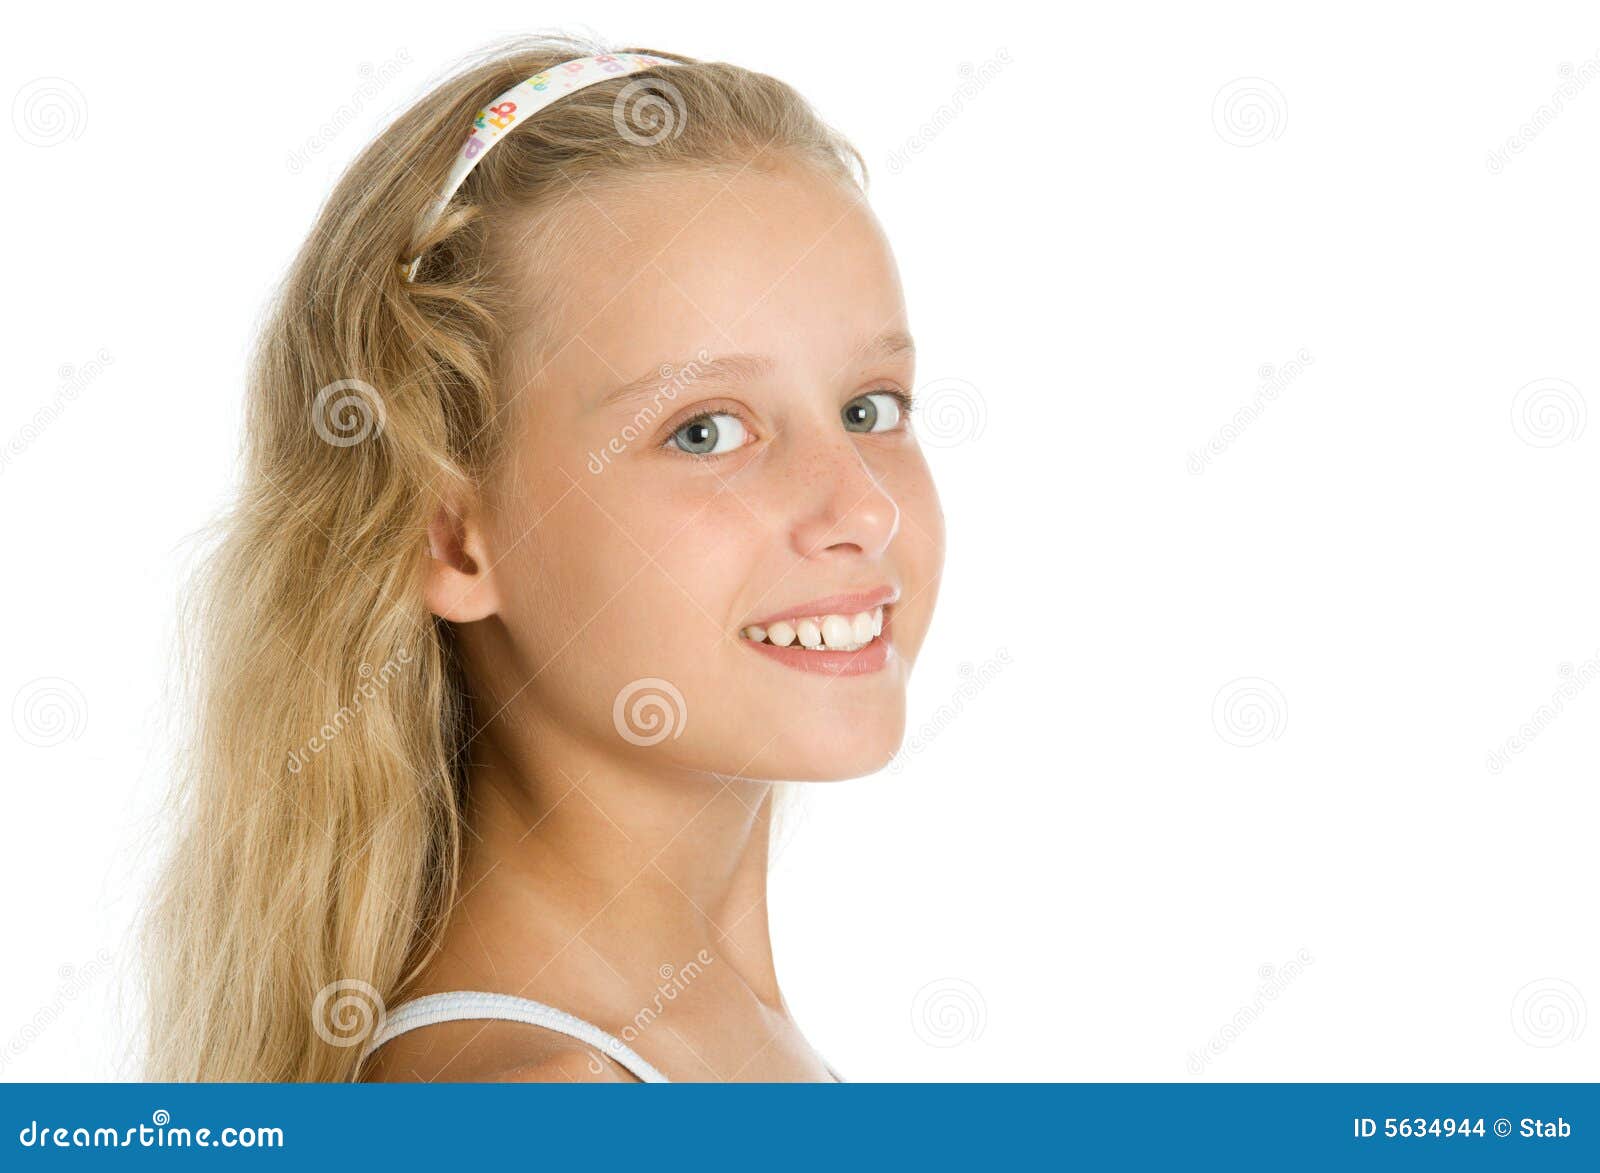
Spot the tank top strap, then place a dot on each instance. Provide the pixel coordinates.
(456, 1005)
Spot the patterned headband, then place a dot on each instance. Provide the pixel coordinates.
(519, 102)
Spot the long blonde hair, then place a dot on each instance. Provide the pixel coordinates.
(319, 812)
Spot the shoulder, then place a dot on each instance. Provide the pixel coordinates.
(568, 1062)
(491, 1051)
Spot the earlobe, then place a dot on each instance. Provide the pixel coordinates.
(459, 584)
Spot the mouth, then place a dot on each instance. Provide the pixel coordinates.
(843, 635)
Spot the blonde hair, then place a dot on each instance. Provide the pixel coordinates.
(319, 811)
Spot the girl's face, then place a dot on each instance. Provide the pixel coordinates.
(711, 438)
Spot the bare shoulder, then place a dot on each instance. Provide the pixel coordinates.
(569, 1062)
(490, 1051)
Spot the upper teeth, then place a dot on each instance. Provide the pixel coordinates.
(838, 633)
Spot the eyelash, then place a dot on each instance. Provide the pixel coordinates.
(907, 406)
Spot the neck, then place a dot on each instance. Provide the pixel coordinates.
(592, 873)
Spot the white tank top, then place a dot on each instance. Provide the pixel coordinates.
(473, 1004)
(469, 1004)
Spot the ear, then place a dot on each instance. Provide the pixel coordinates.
(458, 585)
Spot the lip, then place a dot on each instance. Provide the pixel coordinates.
(850, 604)
(870, 657)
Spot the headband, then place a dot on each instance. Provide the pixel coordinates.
(520, 101)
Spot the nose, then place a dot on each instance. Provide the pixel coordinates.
(846, 508)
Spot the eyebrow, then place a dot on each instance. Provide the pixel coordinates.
(669, 379)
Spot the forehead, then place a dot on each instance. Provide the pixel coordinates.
(780, 260)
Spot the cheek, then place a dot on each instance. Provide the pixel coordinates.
(664, 648)
(628, 576)
(703, 540)
(613, 588)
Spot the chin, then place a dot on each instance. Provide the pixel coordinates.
(865, 750)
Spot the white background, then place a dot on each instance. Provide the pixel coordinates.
(1085, 867)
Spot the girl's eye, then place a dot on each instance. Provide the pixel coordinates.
(710, 435)
(876, 411)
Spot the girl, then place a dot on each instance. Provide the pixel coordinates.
(580, 506)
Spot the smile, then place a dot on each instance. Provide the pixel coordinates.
(844, 635)
(837, 633)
